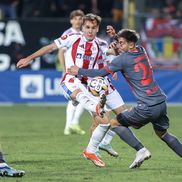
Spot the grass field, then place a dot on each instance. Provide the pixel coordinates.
(32, 140)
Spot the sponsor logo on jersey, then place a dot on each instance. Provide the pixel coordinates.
(64, 37)
(89, 58)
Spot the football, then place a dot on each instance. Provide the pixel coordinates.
(97, 86)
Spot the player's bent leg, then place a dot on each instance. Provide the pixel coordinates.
(70, 110)
(95, 139)
(126, 119)
(171, 140)
(75, 127)
(90, 104)
(100, 107)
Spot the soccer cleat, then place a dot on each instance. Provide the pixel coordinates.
(67, 131)
(108, 148)
(10, 172)
(142, 155)
(100, 107)
(93, 157)
(75, 128)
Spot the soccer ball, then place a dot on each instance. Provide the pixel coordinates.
(97, 86)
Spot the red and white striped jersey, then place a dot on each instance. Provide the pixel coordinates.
(69, 31)
(84, 54)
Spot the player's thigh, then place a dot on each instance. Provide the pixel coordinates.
(137, 116)
(161, 123)
(114, 101)
(68, 88)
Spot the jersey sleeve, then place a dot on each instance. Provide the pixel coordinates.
(66, 40)
(92, 72)
(115, 65)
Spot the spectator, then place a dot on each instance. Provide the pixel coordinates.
(117, 10)
(8, 8)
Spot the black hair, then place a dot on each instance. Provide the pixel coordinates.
(129, 35)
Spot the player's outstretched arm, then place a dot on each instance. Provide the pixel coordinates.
(44, 50)
(75, 70)
(61, 59)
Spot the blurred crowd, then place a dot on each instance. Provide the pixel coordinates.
(105, 8)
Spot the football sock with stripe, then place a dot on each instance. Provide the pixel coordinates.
(128, 136)
(173, 143)
(96, 137)
(70, 111)
(78, 112)
(108, 137)
(86, 102)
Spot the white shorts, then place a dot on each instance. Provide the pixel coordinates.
(114, 100)
(69, 85)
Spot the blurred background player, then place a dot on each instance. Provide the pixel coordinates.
(6, 170)
(73, 112)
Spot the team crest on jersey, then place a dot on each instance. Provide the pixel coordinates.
(64, 37)
(79, 55)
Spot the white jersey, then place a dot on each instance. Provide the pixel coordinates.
(84, 54)
(67, 32)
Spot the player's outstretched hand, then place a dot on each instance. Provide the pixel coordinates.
(113, 49)
(23, 62)
(73, 70)
(110, 31)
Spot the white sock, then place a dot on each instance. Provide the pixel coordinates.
(96, 137)
(86, 102)
(3, 164)
(78, 112)
(108, 137)
(70, 110)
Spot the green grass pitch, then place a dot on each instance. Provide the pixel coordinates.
(32, 140)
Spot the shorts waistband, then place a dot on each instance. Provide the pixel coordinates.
(156, 104)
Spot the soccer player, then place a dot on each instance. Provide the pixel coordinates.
(6, 170)
(134, 64)
(86, 52)
(73, 112)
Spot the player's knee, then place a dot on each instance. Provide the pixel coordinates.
(114, 123)
(160, 134)
(104, 120)
(120, 118)
(74, 93)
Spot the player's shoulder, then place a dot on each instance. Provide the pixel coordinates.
(101, 42)
(71, 31)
